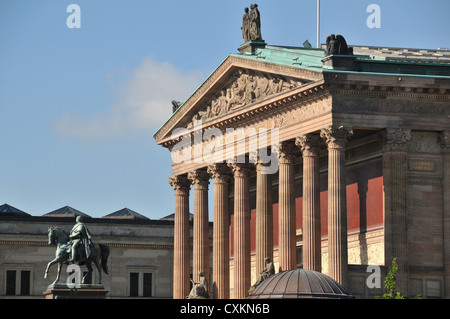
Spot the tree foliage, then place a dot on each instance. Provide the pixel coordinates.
(390, 283)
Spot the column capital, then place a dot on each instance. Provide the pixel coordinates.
(309, 144)
(396, 139)
(260, 165)
(336, 137)
(180, 182)
(288, 152)
(240, 169)
(219, 172)
(199, 178)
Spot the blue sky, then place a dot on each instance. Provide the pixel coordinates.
(78, 107)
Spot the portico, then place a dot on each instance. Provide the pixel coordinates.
(348, 138)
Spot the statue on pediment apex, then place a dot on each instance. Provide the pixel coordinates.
(251, 24)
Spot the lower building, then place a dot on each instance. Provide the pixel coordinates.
(140, 261)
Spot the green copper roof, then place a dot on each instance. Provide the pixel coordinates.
(303, 58)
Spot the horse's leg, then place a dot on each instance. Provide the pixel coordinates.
(58, 273)
(54, 261)
(99, 268)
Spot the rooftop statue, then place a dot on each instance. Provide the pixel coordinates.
(251, 24)
(77, 248)
(175, 105)
(337, 45)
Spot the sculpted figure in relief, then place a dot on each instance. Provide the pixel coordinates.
(247, 87)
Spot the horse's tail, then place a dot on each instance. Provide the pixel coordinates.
(104, 254)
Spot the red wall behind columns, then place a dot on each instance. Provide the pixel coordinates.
(364, 202)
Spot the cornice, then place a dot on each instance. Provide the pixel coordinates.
(24, 243)
(384, 91)
(29, 243)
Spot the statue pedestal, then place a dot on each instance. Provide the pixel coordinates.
(62, 291)
(251, 46)
(340, 62)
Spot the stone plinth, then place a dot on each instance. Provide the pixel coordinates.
(251, 46)
(341, 62)
(62, 291)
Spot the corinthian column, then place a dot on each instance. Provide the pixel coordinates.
(336, 139)
(286, 207)
(200, 260)
(264, 217)
(394, 180)
(220, 173)
(242, 274)
(181, 247)
(312, 254)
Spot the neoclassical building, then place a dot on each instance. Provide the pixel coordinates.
(360, 140)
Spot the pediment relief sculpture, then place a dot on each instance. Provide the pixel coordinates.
(245, 87)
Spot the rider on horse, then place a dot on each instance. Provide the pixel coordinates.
(80, 233)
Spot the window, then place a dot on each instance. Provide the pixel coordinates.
(18, 281)
(25, 282)
(433, 288)
(147, 284)
(10, 282)
(134, 284)
(141, 281)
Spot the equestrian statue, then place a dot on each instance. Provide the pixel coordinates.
(77, 247)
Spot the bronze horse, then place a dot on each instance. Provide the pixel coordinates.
(99, 254)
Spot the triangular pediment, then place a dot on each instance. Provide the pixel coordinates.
(243, 88)
(234, 86)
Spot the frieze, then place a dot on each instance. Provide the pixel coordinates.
(424, 142)
(302, 112)
(390, 104)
